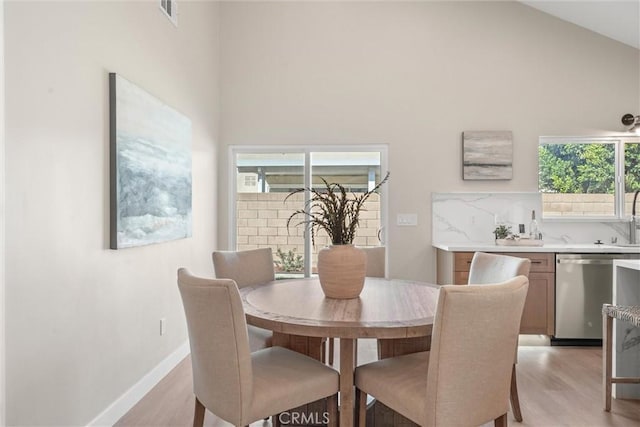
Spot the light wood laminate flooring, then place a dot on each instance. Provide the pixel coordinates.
(558, 386)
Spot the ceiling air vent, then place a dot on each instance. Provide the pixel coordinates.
(170, 8)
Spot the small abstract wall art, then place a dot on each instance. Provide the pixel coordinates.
(487, 155)
(150, 168)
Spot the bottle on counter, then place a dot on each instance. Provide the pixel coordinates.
(534, 233)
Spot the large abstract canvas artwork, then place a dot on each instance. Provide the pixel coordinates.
(487, 155)
(150, 150)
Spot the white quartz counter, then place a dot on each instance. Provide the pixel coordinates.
(555, 248)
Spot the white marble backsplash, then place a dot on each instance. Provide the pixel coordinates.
(472, 217)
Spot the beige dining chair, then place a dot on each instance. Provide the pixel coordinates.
(236, 385)
(375, 268)
(493, 268)
(247, 268)
(375, 261)
(464, 379)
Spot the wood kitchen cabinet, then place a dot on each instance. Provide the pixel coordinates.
(538, 314)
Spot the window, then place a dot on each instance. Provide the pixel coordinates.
(250, 180)
(588, 177)
(263, 178)
(170, 9)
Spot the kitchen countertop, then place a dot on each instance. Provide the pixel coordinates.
(555, 248)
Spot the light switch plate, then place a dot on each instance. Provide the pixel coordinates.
(407, 220)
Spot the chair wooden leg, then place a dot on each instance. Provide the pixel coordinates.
(332, 409)
(607, 350)
(361, 408)
(501, 421)
(198, 414)
(515, 401)
(323, 351)
(331, 344)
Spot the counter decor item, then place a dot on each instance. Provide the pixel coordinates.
(504, 237)
(517, 241)
(502, 232)
(341, 266)
(533, 226)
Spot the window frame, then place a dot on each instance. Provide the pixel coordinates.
(619, 193)
(306, 150)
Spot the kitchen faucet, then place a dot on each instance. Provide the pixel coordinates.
(633, 225)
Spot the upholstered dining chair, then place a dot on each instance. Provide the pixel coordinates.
(375, 261)
(464, 379)
(236, 385)
(247, 268)
(493, 268)
(375, 268)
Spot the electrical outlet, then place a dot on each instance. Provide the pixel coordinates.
(163, 326)
(406, 220)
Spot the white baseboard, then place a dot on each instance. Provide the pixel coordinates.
(124, 403)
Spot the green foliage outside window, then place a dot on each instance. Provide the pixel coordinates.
(632, 167)
(586, 168)
(289, 261)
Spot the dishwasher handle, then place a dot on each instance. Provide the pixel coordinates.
(585, 261)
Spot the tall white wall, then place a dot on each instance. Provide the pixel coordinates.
(83, 320)
(415, 75)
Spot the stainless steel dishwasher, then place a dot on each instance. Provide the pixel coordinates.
(583, 284)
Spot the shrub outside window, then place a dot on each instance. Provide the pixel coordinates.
(588, 177)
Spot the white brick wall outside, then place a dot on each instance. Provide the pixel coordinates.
(262, 222)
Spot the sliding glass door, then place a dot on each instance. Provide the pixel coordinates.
(261, 180)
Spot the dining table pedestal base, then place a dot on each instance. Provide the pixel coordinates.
(309, 346)
(301, 316)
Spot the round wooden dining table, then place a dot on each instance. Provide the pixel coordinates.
(386, 309)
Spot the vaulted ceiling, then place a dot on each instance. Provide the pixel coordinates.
(616, 19)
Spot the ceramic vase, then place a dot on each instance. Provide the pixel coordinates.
(341, 270)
